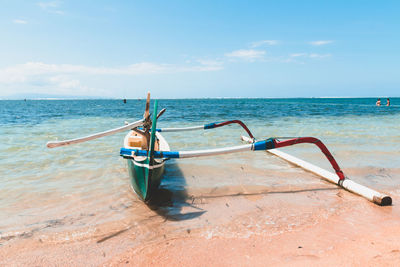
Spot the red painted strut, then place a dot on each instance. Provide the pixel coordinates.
(320, 145)
(215, 125)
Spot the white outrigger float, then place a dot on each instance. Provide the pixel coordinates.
(146, 151)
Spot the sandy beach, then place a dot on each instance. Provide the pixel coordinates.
(253, 226)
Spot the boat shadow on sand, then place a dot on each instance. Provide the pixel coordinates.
(171, 197)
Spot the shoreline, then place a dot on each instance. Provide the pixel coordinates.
(290, 226)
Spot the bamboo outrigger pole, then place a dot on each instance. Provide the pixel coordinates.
(128, 126)
(271, 146)
(371, 195)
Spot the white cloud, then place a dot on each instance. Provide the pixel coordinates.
(78, 79)
(20, 21)
(209, 65)
(321, 42)
(307, 55)
(51, 7)
(319, 55)
(64, 84)
(42, 71)
(298, 55)
(264, 42)
(47, 5)
(246, 54)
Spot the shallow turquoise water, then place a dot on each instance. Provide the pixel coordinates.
(66, 189)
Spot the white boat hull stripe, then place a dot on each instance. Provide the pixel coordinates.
(147, 165)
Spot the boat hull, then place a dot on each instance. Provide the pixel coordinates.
(145, 185)
(145, 178)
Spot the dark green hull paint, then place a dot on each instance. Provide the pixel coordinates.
(145, 180)
(144, 186)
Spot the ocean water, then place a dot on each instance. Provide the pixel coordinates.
(82, 191)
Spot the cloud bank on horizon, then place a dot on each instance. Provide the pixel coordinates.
(185, 50)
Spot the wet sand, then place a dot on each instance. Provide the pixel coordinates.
(232, 226)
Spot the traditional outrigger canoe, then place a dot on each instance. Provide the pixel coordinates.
(146, 151)
(144, 169)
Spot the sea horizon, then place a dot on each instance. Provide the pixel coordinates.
(200, 98)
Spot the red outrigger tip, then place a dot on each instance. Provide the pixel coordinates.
(317, 142)
(216, 125)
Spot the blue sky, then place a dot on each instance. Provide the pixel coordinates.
(179, 49)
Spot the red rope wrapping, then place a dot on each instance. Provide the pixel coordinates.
(320, 145)
(235, 121)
